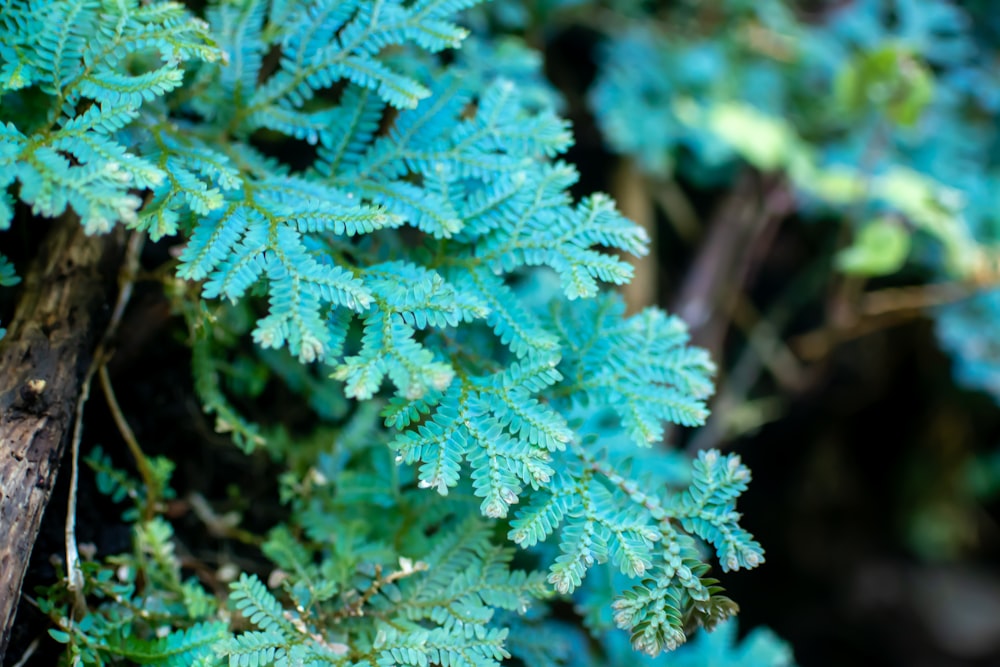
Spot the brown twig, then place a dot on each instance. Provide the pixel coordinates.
(126, 280)
(74, 575)
(128, 435)
(876, 311)
(355, 607)
(678, 210)
(742, 229)
(28, 652)
(765, 340)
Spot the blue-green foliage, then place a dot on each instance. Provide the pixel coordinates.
(369, 569)
(367, 603)
(954, 146)
(891, 73)
(400, 257)
(143, 611)
(653, 112)
(719, 648)
(99, 66)
(967, 331)
(8, 278)
(641, 110)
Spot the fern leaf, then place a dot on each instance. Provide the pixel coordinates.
(255, 649)
(357, 117)
(440, 443)
(540, 518)
(180, 648)
(631, 365)
(651, 612)
(706, 509)
(253, 600)
(516, 327)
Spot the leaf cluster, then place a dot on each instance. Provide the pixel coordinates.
(422, 275)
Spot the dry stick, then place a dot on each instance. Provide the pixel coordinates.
(742, 228)
(678, 209)
(141, 462)
(43, 363)
(742, 375)
(919, 297)
(74, 575)
(764, 349)
(225, 525)
(739, 234)
(880, 310)
(28, 652)
(126, 277)
(765, 340)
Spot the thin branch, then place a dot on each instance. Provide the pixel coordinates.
(126, 279)
(141, 461)
(678, 209)
(765, 340)
(74, 575)
(742, 229)
(223, 526)
(919, 297)
(879, 310)
(28, 652)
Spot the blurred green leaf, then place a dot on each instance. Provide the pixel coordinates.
(890, 80)
(880, 249)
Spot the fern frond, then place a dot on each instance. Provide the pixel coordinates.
(253, 600)
(8, 274)
(476, 647)
(79, 56)
(651, 611)
(357, 117)
(541, 517)
(641, 367)
(517, 328)
(259, 238)
(181, 648)
(706, 509)
(255, 648)
(516, 400)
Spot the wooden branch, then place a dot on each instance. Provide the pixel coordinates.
(50, 343)
(742, 228)
(878, 310)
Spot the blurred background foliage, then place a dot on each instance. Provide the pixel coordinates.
(821, 181)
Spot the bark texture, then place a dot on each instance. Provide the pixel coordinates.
(68, 295)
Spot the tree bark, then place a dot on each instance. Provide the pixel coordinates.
(67, 299)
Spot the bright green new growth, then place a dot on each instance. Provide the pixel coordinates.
(431, 259)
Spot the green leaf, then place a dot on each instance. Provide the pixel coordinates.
(880, 249)
(890, 79)
(767, 142)
(59, 635)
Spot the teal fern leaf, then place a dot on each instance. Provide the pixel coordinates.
(641, 366)
(109, 74)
